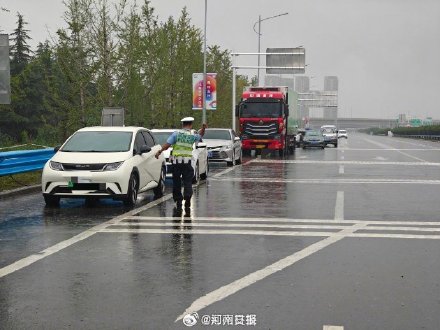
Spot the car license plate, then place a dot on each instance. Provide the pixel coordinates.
(260, 146)
(75, 179)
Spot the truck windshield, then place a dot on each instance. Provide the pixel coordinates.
(98, 142)
(261, 110)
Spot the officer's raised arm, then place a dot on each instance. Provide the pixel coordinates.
(202, 130)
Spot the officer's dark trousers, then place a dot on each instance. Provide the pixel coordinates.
(182, 172)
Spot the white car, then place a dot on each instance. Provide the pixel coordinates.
(104, 162)
(330, 134)
(200, 155)
(342, 133)
(223, 146)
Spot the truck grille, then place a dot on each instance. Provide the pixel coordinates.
(264, 130)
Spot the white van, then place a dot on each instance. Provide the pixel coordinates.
(330, 134)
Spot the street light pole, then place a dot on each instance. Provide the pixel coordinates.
(204, 66)
(259, 39)
(259, 49)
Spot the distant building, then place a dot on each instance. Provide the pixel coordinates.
(403, 121)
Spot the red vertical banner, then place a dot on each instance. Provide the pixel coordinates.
(211, 91)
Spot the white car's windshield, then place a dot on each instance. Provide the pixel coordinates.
(217, 135)
(161, 137)
(98, 142)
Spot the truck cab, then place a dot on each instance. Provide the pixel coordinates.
(263, 116)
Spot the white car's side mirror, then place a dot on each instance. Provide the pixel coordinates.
(201, 146)
(236, 139)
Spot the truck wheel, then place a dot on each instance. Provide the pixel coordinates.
(281, 152)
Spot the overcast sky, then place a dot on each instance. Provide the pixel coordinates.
(386, 53)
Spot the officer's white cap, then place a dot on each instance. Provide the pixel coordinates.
(187, 119)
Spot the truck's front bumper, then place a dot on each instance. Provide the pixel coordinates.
(250, 144)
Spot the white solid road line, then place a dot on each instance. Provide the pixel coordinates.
(384, 223)
(345, 162)
(341, 169)
(395, 149)
(183, 230)
(235, 219)
(191, 224)
(387, 149)
(22, 263)
(339, 207)
(187, 231)
(252, 278)
(332, 327)
(333, 181)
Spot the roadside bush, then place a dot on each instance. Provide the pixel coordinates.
(422, 130)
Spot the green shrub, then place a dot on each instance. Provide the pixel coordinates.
(422, 130)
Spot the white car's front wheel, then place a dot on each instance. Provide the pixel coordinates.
(132, 191)
(233, 162)
(159, 191)
(196, 177)
(240, 159)
(51, 201)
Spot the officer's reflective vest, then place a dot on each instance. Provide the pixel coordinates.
(184, 144)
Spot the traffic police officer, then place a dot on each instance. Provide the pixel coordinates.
(182, 142)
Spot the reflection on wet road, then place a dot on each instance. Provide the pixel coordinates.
(346, 237)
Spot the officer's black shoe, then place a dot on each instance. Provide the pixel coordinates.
(177, 212)
(187, 203)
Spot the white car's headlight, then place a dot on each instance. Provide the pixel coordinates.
(226, 148)
(56, 166)
(112, 166)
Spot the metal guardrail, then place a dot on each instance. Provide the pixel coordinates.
(15, 162)
(423, 137)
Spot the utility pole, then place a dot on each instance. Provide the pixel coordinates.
(204, 66)
(259, 39)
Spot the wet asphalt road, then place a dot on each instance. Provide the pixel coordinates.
(348, 237)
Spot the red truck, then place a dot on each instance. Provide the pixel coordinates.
(263, 114)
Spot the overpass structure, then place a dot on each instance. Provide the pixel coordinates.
(353, 123)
